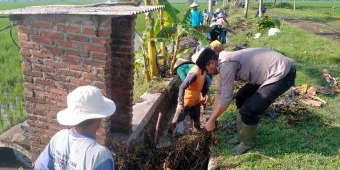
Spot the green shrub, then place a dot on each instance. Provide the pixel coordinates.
(265, 23)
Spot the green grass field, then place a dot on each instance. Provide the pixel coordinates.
(311, 144)
(10, 78)
(320, 11)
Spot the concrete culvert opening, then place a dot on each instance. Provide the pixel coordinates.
(186, 152)
(13, 159)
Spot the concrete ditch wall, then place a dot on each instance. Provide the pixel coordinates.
(145, 113)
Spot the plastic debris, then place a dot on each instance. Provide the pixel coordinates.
(273, 31)
(257, 35)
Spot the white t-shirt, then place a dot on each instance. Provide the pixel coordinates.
(68, 150)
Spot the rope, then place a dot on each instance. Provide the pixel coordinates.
(10, 33)
(5, 28)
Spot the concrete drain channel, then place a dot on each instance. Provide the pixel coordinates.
(189, 151)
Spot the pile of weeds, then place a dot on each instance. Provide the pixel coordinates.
(186, 152)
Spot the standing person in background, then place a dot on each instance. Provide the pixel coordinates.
(263, 10)
(206, 17)
(196, 17)
(76, 148)
(268, 75)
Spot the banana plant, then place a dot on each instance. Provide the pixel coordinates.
(173, 33)
(168, 28)
(141, 61)
(166, 16)
(151, 45)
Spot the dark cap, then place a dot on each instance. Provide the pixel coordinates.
(202, 57)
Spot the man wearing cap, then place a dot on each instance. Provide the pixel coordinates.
(196, 17)
(268, 75)
(76, 148)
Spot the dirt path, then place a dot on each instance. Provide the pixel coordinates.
(317, 28)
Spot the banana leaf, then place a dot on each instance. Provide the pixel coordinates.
(167, 32)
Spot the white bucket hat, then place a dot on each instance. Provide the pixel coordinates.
(220, 21)
(194, 4)
(83, 103)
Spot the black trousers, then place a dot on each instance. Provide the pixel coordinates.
(252, 100)
(193, 112)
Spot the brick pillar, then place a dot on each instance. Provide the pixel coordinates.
(61, 52)
(123, 68)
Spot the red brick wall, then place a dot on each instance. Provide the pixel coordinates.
(61, 52)
(123, 68)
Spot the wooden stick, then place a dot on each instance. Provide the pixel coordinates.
(319, 99)
(157, 126)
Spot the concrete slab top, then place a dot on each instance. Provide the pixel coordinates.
(16, 134)
(109, 8)
(142, 110)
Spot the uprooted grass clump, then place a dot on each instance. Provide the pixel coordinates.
(187, 152)
(294, 113)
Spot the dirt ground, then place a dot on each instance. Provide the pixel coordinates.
(317, 28)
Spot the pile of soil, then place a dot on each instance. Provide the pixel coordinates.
(295, 113)
(188, 42)
(186, 152)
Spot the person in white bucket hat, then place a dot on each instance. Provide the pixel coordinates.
(76, 147)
